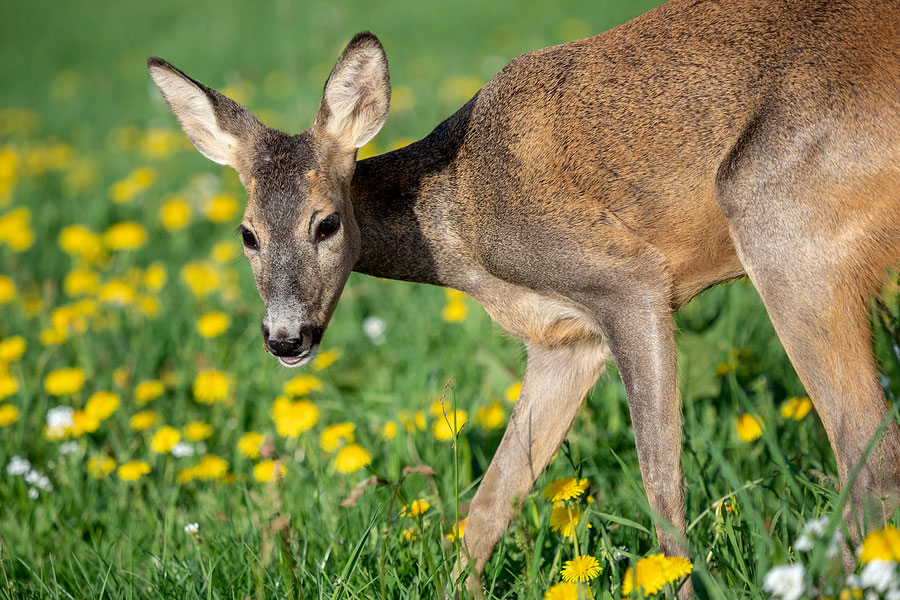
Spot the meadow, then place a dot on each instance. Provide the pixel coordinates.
(149, 448)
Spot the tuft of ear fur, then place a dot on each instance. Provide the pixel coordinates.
(218, 126)
(357, 94)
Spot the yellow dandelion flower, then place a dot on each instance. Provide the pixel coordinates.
(125, 236)
(224, 252)
(749, 427)
(565, 489)
(409, 535)
(301, 385)
(81, 242)
(121, 376)
(513, 391)
(491, 416)
(185, 475)
(415, 508)
(677, 567)
(160, 143)
(144, 420)
(562, 591)
(250, 444)
(15, 229)
(882, 544)
(293, 418)
(133, 470)
(8, 414)
(148, 305)
(222, 208)
(335, 436)
(83, 423)
(101, 405)
(652, 573)
(11, 349)
(564, 519)
(388, 430)
(64, 382)
(98, 466)
(7, 289)
(53, 337)
(268, 470)
(155, 277)
(437, 408)
(796, 408)
(197, 431)
(325, 359)
(352, 458)
(458, 530)
(213, 324)
(581, 568)
(201, 278)
(211, 467)
(164, 439)
(211, 386)
(446, 427)
(118, 292)
(148, 390)
(175, 214)
(80, 282)
(8, 385)
(455, 312)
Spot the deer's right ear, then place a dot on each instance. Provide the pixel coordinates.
(357, 94)
(217, 125)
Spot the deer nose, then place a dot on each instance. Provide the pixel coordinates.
(288, 347)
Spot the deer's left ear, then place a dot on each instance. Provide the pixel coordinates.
(357, 94)
(218, 126)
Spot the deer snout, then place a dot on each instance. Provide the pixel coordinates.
(293, 348)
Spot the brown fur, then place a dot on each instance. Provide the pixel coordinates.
(590, 189)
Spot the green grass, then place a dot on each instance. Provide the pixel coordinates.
(78, 69)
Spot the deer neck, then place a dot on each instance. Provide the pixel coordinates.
(402, 201)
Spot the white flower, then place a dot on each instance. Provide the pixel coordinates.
(192, 528)
(68, 447)
(18, 466)
(182, 449)
(785, 582)
(37, 480)
(815, 530)
(60, 417)
(880, 575)
(32, 493)
(893, 594)
(374, 328)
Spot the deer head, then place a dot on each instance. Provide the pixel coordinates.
(299, 231)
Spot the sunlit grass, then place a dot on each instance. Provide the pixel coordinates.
(150, 448)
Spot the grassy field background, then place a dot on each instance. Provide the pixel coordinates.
(86, 140)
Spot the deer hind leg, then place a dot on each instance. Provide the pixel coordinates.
(815, 258)
(555, 384)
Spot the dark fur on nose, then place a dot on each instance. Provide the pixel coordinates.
(288, 347)
(295, 346)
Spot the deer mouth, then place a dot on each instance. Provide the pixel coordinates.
(294, 361)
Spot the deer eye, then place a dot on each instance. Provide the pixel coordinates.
(328, 227)
(248, 237)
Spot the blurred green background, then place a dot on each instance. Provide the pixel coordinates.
(85, 139)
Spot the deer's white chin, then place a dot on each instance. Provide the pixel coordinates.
(292, 362)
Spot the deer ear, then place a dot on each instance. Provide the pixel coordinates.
(217, 125)
(357, 94)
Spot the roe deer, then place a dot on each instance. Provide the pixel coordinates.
(588, 191)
